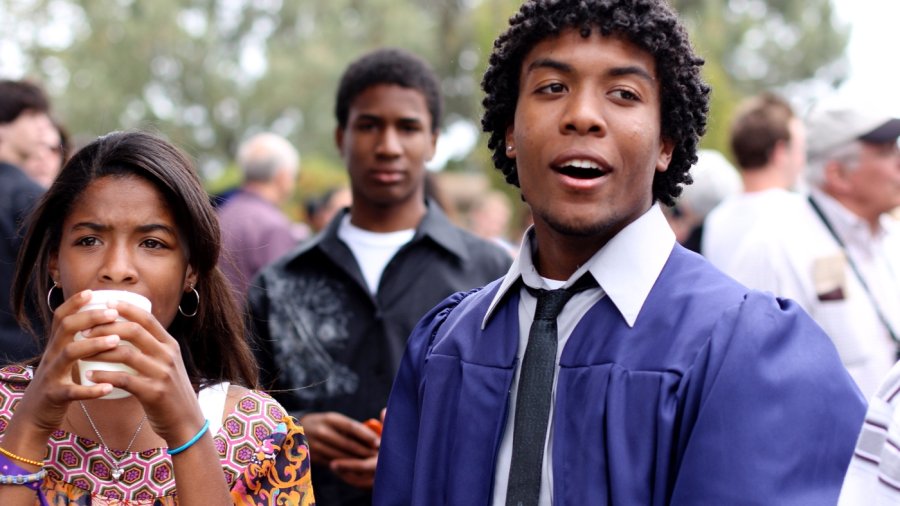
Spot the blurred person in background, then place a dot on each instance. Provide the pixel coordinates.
(24, 118)
(715, 179)
(769, 143)
(489, 218)
(333, 316)
(322, 209)
(838, 253)
(255, 231)
(49, 155)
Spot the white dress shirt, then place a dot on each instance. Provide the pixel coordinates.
(626, 269)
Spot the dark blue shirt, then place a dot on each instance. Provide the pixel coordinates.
(18, 195)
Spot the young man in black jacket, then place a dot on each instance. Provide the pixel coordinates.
(333, 316)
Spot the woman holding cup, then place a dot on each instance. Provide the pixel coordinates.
(181, 424)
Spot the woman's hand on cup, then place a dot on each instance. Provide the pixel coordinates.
(161, 382)
(53, 386)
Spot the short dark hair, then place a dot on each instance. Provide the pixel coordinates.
(17, 97)
(648, 24)
(213, 343)
(389, 66)
(761, 122)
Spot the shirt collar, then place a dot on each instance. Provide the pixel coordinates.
(848, 225)
(434, 225)
(438, 227)
(626, 268)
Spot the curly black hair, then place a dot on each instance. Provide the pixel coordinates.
(648, 24)
(389, 66)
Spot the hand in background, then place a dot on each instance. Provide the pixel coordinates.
(335, 436)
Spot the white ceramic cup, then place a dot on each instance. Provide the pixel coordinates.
(99, 300)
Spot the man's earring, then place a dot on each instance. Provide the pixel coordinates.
(509, 148)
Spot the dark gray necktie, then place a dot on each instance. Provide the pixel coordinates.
(533, 398)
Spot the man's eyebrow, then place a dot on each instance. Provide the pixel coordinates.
(369, 117)
(551, 64)
(412, 120)
(632, 70)
(614, 72)
(380, 120)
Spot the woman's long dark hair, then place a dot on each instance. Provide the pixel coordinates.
(213, 343)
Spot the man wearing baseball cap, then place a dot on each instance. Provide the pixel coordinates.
(838, 254)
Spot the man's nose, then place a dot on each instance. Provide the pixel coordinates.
(584, 114)
(389, 143)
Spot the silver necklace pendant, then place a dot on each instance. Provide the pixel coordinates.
(116, 470)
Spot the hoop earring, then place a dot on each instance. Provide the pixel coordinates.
(197, 308)
(50, 294)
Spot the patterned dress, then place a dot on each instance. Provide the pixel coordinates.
(264, 455)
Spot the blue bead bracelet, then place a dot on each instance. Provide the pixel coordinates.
(22, 479)
(185, 446)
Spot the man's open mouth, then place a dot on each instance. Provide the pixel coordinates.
(581, 169)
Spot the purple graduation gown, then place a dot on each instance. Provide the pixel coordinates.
(718, 395)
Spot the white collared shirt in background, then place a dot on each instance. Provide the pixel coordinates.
(728, 224)
(801, 260)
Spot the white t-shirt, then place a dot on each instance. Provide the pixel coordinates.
(372, 250)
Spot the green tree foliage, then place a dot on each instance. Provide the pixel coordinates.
(752, 46)
(207, 73)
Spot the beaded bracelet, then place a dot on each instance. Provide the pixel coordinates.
(23, 479)
(185, 446)
(8, 466)
(21, 459)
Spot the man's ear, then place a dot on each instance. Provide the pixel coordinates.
(510, 143)
(835, 178)
(666, 148)
(339, 139)
(434, 138)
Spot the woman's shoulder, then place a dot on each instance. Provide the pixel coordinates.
(244, 402)
(254, 422)
(16, 374)
(14, 379)
(251, 416)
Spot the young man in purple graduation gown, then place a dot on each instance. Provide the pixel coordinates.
(672, 383)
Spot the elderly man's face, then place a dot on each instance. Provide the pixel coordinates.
(875, 181)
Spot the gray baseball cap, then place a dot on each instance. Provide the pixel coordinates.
(832, 124)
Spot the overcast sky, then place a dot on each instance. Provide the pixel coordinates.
(873, 52)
